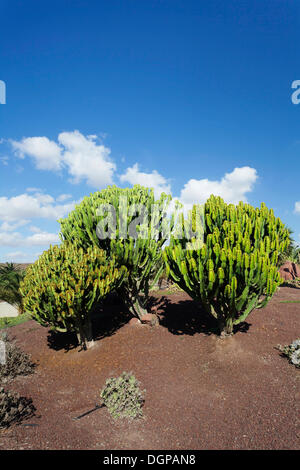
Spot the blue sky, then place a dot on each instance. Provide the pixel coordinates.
(192, 97)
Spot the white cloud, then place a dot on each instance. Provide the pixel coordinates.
(151, 180)
(44, 199)
(35, 229)
(42, 238)
(27, 206)
(80, 155)
(86, 160)
(38, 239)
(34, 190)
(4, 160)
(19, 257)
(45, 153)
(232, 187)
(11, 239)
(10, 227)
(63, 197)
(297, 207)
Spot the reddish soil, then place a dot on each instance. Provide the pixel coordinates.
(202, 392)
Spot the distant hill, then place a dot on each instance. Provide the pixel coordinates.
(19, 265)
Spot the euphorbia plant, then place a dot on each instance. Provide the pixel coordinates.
(108, 219)
(234, 269)
(62, 286)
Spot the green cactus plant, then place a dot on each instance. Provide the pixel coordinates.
(110, 230)
(235, 269)
(62, 286)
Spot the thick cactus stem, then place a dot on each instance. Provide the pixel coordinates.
(226, 328)
(85, 335)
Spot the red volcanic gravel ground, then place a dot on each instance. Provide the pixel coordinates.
(202, 392)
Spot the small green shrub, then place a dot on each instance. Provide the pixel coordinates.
(17, 361)
(292, 352)
(123, 397)
(14, 408)
(7, 322)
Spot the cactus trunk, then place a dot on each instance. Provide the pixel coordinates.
(135, 302)
(226, 327)
(85, 334)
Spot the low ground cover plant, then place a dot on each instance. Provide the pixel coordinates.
(13, 408)
(61, 288)
(7, 322)
(123, 397)
(235, 269)
(292, 352)
(17, 362)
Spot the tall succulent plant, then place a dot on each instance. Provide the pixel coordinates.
(235, 269)
(62, 286)
(104, 219)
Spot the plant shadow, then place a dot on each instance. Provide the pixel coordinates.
(242, 327)
(288, 284)
(57, 340)
(107, 317)
(108, 320)
(187, 317)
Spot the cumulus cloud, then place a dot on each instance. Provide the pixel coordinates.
(63, 197)
(11, 226)
(11, 239)
(27, 206)
(232, 187)
(42, 238)
(34, 229)
(86, 159)
(4, 160)
(82, 157)
(20, 211)
(46, 154)
(297, 207)
(153, 180)
(34, 190)
(19, 257)
(37, 239)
